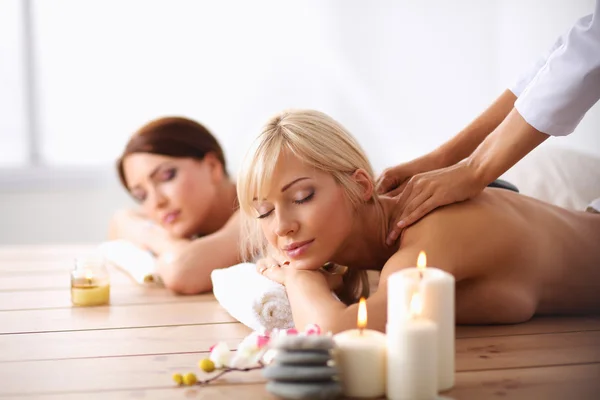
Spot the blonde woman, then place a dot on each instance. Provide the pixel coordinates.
(306, 191)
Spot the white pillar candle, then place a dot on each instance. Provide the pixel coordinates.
(412, 358)
(437, 288)
(360, 356)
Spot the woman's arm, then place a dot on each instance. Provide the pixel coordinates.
(312, 301)
(186, 268)
(184, 265)
(394, 179)
(511, 141)
(467, 140)
(133, 226)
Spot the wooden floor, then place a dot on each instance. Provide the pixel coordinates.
(130, 349)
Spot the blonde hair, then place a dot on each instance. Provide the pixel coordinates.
(322, 143)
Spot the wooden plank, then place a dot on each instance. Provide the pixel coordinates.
(54, 280)
(107, 317)
(527, 350)
(21, 267)
(471, 353)
(119, 342)
(214, 391)
(111, 373)
(578, 382)
(151, 375)
(44, 252)
(61, 298)
(535, 326)
(137, 294)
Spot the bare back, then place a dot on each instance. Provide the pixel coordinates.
(508, 249)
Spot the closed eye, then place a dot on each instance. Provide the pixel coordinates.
(304, 200)
(168, 174)
(139, 197)
(301, 201)
(265, 215)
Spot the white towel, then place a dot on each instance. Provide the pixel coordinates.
(139, 264)
(254, 300)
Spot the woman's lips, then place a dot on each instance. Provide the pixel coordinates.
(170, 217)
(299, 250)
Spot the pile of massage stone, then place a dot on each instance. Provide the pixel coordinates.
(302, 368)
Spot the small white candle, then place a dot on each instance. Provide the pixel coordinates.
(361, 359)
(412, 357)
(437, 288)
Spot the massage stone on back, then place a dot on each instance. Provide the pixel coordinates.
(302, 368)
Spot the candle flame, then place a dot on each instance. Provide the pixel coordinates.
(89, 275)
(422, 262)
(416, 305)
(362, 314)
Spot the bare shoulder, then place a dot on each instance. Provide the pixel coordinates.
(225, 240)
(456, 238)
(405, 257)
(123, 222)
(232, 227)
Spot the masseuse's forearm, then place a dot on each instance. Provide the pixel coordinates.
(502, 149)
(312, 301)
(466, 141)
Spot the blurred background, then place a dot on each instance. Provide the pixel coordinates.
(77, 78)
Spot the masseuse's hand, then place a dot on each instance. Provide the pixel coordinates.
(283, 272)
(426, 191)
(393, 180)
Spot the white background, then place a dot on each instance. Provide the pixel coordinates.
(403, 76)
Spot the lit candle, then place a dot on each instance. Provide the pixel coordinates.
(361, 358)
(412, 356)
(89, 282)
(437, 288)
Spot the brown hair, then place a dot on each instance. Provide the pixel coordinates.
(173, 137)
(355, 285)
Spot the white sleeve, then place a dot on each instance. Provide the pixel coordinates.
(568, 84)
(524, 80)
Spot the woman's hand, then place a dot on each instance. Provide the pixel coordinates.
(426, 191)
(393, 180)
(284, 272)
(273, 269)
(134, 227)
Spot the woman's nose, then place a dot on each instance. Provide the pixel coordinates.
(159, 200)
(285, 226)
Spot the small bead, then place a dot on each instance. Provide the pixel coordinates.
(189, 379)
(178, 379)
(206, 365)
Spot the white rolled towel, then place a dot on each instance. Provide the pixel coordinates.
(254, 300)
(139, 264)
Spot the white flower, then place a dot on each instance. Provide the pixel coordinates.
(268, 356)
(248, 352)
(220, 355)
